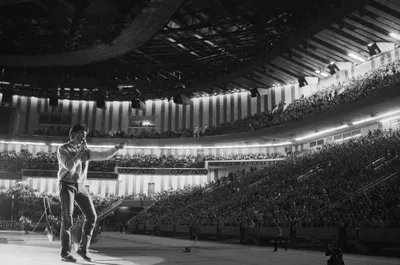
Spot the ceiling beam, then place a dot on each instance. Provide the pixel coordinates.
(347, 7)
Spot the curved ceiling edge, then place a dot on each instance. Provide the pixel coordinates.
(143, 28)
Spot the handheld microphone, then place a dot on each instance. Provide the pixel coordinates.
(84, 144)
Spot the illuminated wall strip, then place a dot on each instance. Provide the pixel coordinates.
(389, 119)
(308, 136)
(376, 117)
(321, 132)
(178, 147)
(21, 143)
(354, 123)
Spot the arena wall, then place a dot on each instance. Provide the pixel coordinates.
(169, 116)
(136, 180)
(124, 185)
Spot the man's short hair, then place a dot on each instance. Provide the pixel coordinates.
(76, 128)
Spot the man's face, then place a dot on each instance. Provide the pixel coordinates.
(80, 136)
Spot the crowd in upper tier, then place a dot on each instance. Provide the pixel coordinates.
(307, 189)
(372, 83)
(15, 161)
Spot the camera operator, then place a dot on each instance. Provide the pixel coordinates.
(336, 255)
(279, 238)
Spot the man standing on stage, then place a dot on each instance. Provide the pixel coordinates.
(73, 160)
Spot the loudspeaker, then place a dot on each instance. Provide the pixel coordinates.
(53, 102)
(307, 80)
(7, 97)
(101, 103)
(336, 67)
(8, 120)
(256, 92)
(138, 104)
(181, 99)
(380, 47)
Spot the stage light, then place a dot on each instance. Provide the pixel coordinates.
(394, 36)
(210, 43)
(356, 56)
(198, 36)
(324, 74)
(182, 46)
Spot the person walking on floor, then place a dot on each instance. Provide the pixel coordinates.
(279, 238)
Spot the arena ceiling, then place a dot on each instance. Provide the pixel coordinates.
(160, 48)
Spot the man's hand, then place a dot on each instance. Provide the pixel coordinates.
(83, 146)
(120, 146)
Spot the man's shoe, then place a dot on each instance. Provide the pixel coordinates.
(68, 258)
(83, 254)
(275, 250)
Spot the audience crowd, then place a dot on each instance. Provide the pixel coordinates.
(29, 203)
(299, 190)
(354, 183)
(329, 98)
(11, 160)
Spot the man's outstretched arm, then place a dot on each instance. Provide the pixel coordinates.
(104, 155)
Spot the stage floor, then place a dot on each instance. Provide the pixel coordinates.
(122, 249)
